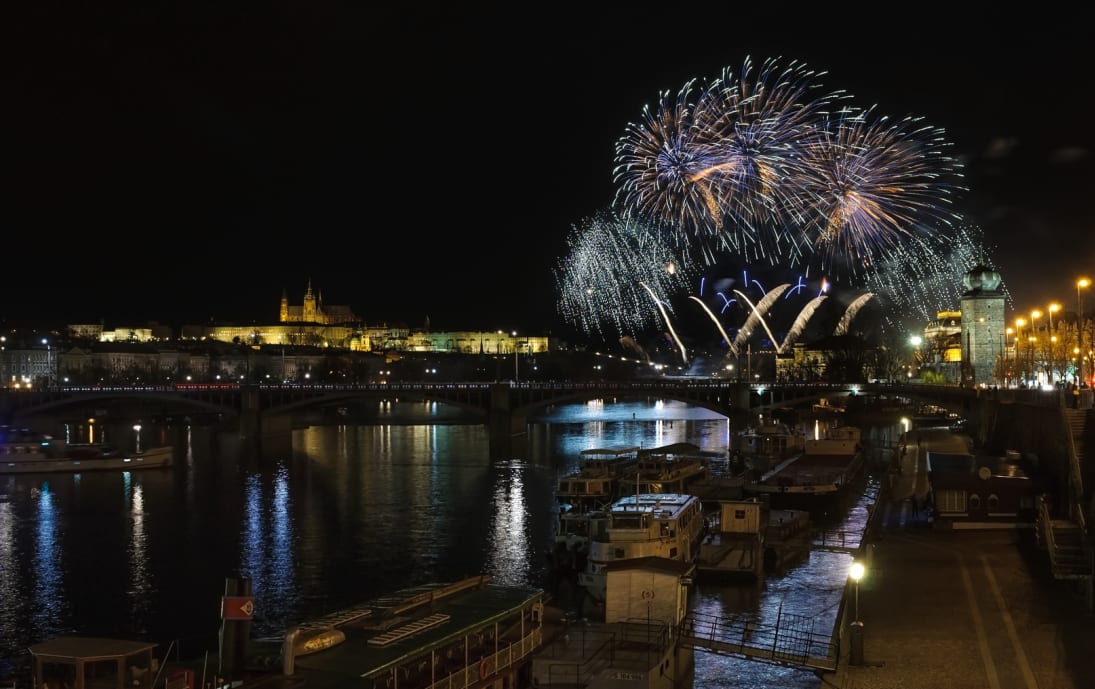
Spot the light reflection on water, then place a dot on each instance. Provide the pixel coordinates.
(351, 512)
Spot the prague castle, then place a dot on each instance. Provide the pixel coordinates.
(313, 310)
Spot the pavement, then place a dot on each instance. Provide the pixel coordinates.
(958, 608)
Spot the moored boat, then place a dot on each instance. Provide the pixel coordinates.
(825, 470)
(23, 451)
(596, 481)
(666, 469)
(663, 525)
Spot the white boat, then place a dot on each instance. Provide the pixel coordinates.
(23, 451)
(663, 525)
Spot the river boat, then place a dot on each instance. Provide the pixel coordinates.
(596, 482)
(747, 539)
(667, 469)
(663, 525)
(637, 644)
(23, 451)
(459, 634)
(761, 447)
(825, 470)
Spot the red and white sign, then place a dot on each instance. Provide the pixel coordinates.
(237, 607)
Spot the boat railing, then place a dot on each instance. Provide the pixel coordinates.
(492, 663)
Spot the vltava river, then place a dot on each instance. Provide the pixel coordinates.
(350, 513)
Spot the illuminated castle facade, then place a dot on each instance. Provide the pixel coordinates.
(314, 311)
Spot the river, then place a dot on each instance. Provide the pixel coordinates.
(349, 513)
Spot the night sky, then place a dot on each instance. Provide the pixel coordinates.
(188, 162)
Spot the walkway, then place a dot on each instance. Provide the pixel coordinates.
(960, 609)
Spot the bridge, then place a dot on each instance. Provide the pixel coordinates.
(265, 410)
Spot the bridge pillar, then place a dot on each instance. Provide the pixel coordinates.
(250, 422)
(506, 429)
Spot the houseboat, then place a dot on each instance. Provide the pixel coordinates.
(596, 482)
(23, 451)
(825, 470)
(761, 447)
(666, 469)
(747, 539)
(665, 525)
(636, 645)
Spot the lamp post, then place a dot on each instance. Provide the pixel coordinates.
(137, 429)
(856, 572)
(1080, 284)
(516, 373)
(49, 363)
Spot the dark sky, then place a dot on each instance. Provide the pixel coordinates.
(190, 161)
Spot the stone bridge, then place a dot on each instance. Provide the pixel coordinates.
(504, 407)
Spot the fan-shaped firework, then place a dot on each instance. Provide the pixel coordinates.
(873, 183)
(725, 165)
(923, 275)
(613, 269)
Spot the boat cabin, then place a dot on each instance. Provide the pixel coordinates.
(79, 662)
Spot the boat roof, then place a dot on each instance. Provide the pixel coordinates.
(672, 449)
(411, 622)
(610, 451)
(649, 502)
(89, 648)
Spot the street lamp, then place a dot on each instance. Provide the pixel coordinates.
(516, 373)
(49, 363)
(137, 429)
(1081, 283)
(1052, 308)
(856, 572)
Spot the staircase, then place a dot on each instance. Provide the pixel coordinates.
(1066, 539)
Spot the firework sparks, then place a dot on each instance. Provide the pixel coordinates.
(723, 160)
(600, 282)
(873, 182)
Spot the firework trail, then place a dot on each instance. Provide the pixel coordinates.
(800, 322)
(723, 160)
(599, 281)
(923, 275)
(756, 316)
(851, 312)
(668, 324)
(873, 183)
(713, 317)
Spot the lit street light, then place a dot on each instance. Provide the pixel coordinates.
(516, 373)
(137, 428)
(856, 572)
(1081, 283)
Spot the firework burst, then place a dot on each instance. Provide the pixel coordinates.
(921, 276)
(618, 275)
(874, 183)
(722, 161)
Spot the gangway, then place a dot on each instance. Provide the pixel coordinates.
(791, 642)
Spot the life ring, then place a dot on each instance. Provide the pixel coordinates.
(484, 668)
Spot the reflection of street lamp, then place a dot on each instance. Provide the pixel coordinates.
(137, 428)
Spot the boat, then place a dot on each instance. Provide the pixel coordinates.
(664, 525)
(23, 451)
(760, 447)
(637, 644)
(466, 633)
(596, 481)
(747, 539)
(666, 469)
(826, 469)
